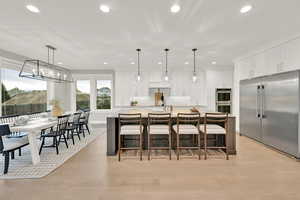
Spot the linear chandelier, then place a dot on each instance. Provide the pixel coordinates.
(41, 70)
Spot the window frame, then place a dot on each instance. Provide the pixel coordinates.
(93, 89)
(10, 64)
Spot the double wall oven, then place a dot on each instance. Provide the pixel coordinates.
(223, 100)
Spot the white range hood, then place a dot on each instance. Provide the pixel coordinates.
(159, 84)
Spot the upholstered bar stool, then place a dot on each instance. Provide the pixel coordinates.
(213, 126)
(159, 124)
(130, 125)
(187, 124)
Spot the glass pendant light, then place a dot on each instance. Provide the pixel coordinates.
(166, 70)
(138, 62)
(194, 72)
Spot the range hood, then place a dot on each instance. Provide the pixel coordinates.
(159, 84)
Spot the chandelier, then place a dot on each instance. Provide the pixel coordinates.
(41, 70)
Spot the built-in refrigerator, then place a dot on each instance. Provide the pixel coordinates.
(269, 111)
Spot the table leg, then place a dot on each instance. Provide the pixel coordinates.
(34, 148)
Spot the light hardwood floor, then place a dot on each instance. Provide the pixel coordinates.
(255, 173)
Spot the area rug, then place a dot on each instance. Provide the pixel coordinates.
(22, 168)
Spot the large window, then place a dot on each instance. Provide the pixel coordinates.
(83, 95)
(103, 94)
(21, 95)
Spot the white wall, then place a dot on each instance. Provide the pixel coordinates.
(180, 83)
(279, 57)
(217, 79)
(202, 92)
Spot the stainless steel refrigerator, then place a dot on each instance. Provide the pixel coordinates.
(269, 111)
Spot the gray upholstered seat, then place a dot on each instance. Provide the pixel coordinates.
(162, 129)
(130, 130)
(13, 143)
(187, 129)
(213, 129)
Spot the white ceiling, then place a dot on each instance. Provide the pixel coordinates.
(86, 37)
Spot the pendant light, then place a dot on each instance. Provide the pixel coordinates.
(194, 72)
(166, 70)
(138, 63)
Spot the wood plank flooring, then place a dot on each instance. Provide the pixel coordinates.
(256, 173)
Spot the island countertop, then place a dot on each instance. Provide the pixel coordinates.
(113, 128)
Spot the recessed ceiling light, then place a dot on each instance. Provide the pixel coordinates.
(132, 63)
(159, 63)
(104, 8)
(186, 63)
(105, 63)
(32, 8)
(246, 8)
(214, 62)
(175, 8)
(59, 63)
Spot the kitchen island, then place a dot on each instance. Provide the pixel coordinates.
(113, 132)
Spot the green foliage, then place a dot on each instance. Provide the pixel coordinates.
(5, 95)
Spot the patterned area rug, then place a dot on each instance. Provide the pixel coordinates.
(21, 167)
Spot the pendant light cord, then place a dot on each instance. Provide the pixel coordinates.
(194, 50)
(166, 60)
(138, 54)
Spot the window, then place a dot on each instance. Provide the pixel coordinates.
(21, 96)
(83, 95)
(103, 94)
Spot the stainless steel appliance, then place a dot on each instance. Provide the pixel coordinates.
(269, 111)
(223, 100)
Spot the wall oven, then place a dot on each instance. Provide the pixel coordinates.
(223, 100)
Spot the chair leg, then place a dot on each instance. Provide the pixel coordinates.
(20, 152)
(78, 133)
(56, 145)
(205, 146)
(65, 139)
(177, 149)
(82, 128)
(43, 142)
(149, 146)
(119, 148)
(199, 146)
(87, 128)
(72, 135)
(141, 147)
(227, 157)
(170, 146)
(13, 155)
(6, 162)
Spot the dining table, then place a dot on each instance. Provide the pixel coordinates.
(33, 128)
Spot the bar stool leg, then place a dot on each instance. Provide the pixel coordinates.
(177, 149)
(149, 145)
(205, 146)
(170, 146)
(119, 149)
(227, 157)
(141, 147)
(199, 146)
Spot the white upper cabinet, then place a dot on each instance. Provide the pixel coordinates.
(282, 58)
(291, 55)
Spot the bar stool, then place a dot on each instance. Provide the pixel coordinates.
(212, 126)
(159, 124)
(187, 124)
(130, 125)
